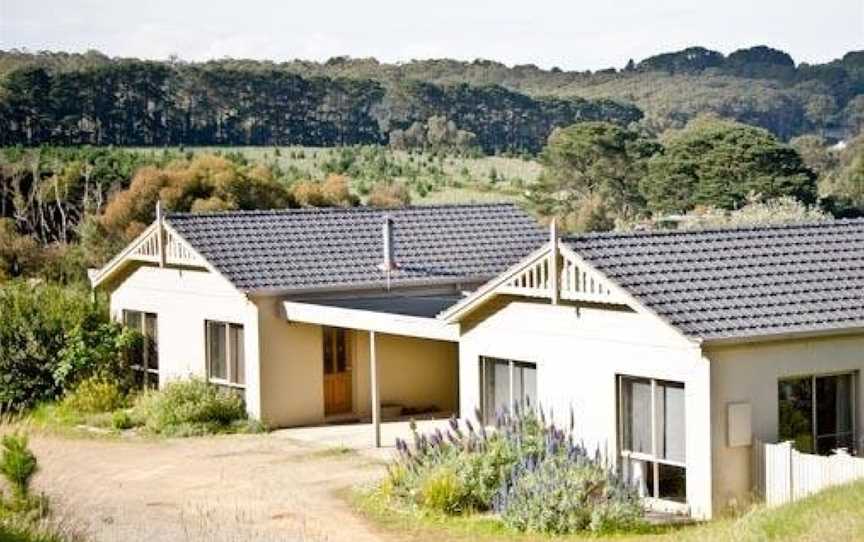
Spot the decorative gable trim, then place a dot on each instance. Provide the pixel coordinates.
(581, 282)
(553, 272)
(507, 282)
(158, 244)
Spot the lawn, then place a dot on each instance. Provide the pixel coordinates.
(835, 514)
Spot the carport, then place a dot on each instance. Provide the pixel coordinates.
(409, 316)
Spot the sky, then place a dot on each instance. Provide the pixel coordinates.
(572, 35)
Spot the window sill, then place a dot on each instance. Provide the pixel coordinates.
(666, 506)
(638, 456)
(225, 383)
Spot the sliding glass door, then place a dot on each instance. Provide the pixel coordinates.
(817, 412)
(651, 428)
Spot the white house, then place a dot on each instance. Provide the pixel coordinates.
(674, 350)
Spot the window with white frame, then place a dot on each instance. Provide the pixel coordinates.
(226, 360)
(504, 383)
(145, 357)
(651, 430)
(817, 412)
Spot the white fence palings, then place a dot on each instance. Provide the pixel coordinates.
(782, 475)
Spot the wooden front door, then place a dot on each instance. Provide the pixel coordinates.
(337, 371)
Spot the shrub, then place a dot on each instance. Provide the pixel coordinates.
(443, 490)
(17, 465)
(531, 472)
(94, 395)
(53, 337)
(560, 495)
(122, 420)
(190, 407)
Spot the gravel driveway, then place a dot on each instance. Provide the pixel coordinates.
(227, 488)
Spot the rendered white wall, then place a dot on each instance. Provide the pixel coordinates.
(183, 299)
(578, 352)
(749, 373)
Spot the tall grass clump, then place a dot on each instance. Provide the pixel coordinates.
(191, 407)
(534, 475)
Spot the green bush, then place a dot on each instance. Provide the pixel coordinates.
(94, 395)
(51, 338)
(17, 465)
(190, 407)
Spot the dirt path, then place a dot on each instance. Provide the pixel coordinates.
(230, 488)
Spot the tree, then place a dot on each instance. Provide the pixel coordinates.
(587, 161)
(204, 183)
(690, 60)
(719, 163)
(815, 153)
(843, 189)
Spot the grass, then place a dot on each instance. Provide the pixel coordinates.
(834, 514)
(60, 420)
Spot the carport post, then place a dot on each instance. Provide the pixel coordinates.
(376, 399)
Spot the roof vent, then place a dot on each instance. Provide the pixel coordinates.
(389, 262)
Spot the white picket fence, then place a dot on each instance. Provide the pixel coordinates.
(782, 474)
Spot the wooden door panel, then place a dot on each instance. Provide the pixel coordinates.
(337, 393)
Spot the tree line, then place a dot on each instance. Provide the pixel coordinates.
(756, 85)
(132, 102)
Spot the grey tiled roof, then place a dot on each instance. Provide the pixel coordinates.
(327, 248)
(746, 282)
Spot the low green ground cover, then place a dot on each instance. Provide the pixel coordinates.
(831, 515)
(182, 408)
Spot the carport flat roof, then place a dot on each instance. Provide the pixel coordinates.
(420, 306)
(412, 316)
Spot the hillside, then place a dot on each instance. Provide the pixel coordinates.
(64, 98)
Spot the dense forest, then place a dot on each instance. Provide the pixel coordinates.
(132, 102)
(65, 98)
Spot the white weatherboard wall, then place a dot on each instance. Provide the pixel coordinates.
(579, 350)
(749, 373)
(183, 299)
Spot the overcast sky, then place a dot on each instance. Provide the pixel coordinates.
(571, 34)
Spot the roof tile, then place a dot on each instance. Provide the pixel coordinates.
(740, 282)
(337, 247)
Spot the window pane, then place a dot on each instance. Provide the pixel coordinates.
(238, 358)
(827, 445)
(528, 380)
(151, 341)
(833, 404)
(672, 483)
(132, 319)
(495, 374)
(796, 413)
(670, 421)
(216, 349)
(501, 392)
(636, 415)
